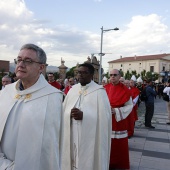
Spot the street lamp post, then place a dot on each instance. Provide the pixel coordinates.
(101, 52)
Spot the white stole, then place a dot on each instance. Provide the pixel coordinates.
(76, 132)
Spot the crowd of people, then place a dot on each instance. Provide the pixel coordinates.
(69, 125)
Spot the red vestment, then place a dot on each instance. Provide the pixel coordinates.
(67, 89)
(55, 84)
(118, 95)
(135, 92)
(133, 116)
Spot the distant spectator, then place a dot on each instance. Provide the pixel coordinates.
(52, 81)
(122, 80)
(61, 82)
(149, 103)
(66, 83)
(133, 115)
(6, 80)
(167, 91)
(14, 78)
(104, 82)
(160, 89)
(140, 87)
(69, 86)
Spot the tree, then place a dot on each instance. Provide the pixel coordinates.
(70, 73)
(134, 73)
(152, 75)
(56, 75)
(2, 72)
(107, 75)
(128, 75)
(121, 73)
(143, 74)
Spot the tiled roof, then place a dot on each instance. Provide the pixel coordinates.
(140, 58)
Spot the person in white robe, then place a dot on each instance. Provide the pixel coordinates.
(87, 125)
(30, 116)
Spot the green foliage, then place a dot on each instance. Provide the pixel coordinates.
(70, 73)
(152, 75)
(134, 73)
(128, 75)
(121, 73)
(107, 75)
(144, 75)
(56, 75)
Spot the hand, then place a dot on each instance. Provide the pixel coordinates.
(76, 114)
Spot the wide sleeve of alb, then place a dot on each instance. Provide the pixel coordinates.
(123, 112)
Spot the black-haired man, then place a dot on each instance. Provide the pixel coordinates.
(86, 143)
(149, 103)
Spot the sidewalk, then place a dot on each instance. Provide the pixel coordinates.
(149, 149)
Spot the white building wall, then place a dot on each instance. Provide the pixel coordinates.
(141, 65)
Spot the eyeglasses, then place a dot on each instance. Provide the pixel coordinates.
(83, 72)
(25, 61)
(6, 81)
(114, 75)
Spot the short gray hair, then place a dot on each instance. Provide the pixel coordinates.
(40, 52)
(8, 77)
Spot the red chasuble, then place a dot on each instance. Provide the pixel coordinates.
(67, 89)
(130, 121)
(55, 84)
(135, 92)
(118, 95)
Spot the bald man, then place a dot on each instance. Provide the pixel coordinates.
(121, 106)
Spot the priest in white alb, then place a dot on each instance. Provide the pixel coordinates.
(87, 125)
(30, 116)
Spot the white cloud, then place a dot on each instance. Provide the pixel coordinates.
(18, 25)
(143, 35)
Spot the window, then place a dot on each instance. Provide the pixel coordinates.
(121, 65)
(163, 69)
(151, 68)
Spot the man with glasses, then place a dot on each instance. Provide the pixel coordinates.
(121, 106)
(52, 81)
(87, 124)
(30, 116)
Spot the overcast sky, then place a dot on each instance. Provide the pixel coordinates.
(71, 29)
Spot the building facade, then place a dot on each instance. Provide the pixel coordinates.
(4, 67)
(158, 63)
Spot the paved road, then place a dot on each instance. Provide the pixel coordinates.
(150, 148)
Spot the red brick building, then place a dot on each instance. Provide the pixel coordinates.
(4, 66)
